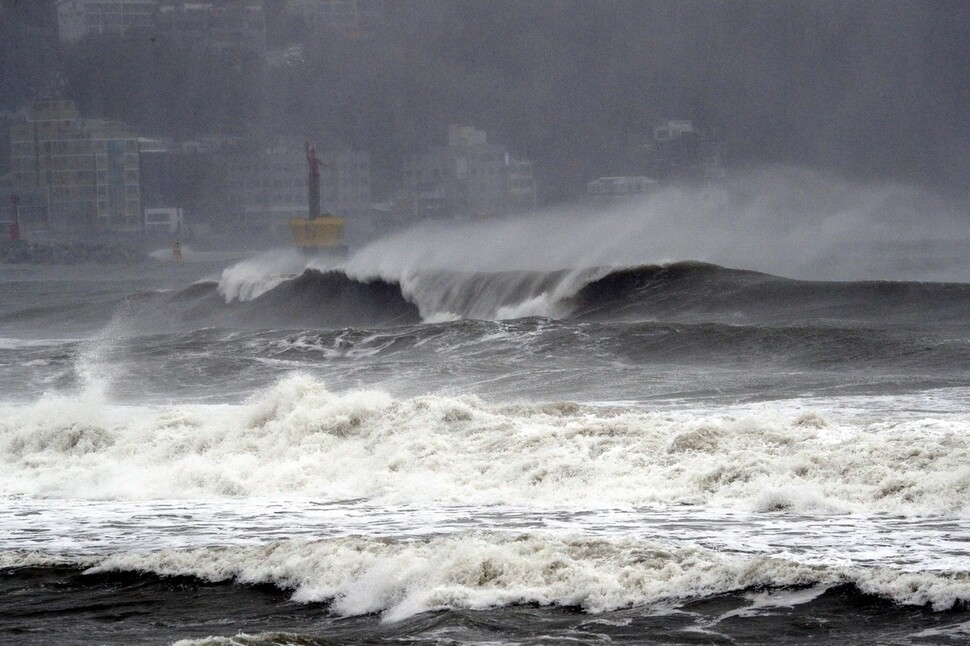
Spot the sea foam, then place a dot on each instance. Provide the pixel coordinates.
(299, 438)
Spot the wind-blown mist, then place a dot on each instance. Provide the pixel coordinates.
(493, 417)
(789, 222)
(785, 222)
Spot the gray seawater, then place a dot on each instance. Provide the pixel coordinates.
(227, 453)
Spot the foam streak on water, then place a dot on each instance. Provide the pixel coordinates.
(82, 528)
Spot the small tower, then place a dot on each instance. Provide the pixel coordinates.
(317, 233)
(313, 180)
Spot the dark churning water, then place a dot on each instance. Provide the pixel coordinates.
(265, 453)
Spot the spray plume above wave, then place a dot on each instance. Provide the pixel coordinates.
(787, 222)
(628, 261)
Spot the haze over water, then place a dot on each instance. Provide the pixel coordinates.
(732, 409)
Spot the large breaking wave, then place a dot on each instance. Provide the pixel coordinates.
(688, 292)
(684, 291)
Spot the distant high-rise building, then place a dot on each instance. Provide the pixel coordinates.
(681, 150)
(7, 120)
(466, 136)
(348, 16)
(220, 25)
(77, 19)
(468, 177)
(87, 168)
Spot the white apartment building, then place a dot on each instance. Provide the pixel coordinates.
(77, 19)
(344, 15)
(221, 25)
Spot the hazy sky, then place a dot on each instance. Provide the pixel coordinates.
(869, 89)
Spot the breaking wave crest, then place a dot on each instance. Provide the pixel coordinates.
(359, 575)
(689, 291)
(436, 295)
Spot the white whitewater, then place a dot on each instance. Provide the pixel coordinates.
(298, 438)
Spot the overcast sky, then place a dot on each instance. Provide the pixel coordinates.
(870, 89)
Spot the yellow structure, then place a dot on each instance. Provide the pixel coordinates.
(316, 232)
(312, 234)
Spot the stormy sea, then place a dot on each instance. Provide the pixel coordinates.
(282, 450)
